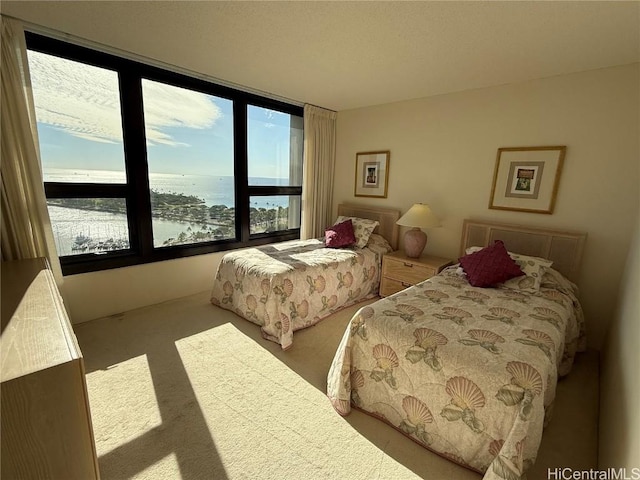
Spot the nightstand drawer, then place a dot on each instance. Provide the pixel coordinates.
(400, 271)
(406, 272)
(389, 286)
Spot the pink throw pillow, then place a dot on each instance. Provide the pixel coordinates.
(340, 235)
(490, 266)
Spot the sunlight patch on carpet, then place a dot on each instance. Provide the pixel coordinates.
(134, 391)
(254, 403)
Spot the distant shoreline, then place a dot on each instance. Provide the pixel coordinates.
(173, 219)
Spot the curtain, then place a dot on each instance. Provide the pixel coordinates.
(319, 165)
(26, 227)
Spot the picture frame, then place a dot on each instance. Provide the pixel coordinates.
(372, 174)
(526, 179)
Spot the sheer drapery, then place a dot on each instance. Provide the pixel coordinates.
(319, 165)
(26, 227)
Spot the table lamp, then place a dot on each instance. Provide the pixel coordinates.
(417, 217)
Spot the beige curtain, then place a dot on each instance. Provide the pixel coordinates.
(319, 165)
(26, 228)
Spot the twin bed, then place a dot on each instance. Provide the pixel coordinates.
(288, 286)
(469, 373)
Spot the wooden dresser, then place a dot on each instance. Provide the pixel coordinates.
(400, 271)
(45, 418)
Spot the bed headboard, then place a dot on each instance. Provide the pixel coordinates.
(387, 218)
(563, 248)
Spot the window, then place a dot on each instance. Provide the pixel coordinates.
(190, 163)
(141, 164)
(274, 168)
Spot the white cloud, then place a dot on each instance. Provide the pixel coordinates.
(84, 101)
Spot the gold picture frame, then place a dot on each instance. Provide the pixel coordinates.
(372, 174)
(526, 179)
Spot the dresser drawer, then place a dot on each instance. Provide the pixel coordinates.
(406, 272)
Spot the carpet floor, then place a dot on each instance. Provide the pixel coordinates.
(185, 390)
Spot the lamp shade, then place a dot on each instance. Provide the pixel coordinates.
(419, 216)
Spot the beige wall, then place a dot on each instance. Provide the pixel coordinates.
(443, 152)
(99, 294)
(620, 379)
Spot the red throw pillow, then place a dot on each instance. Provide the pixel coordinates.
(489, 266)
(340, 235)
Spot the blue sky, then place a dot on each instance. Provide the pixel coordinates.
(79, 126)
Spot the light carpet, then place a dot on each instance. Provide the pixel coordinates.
(187, 390)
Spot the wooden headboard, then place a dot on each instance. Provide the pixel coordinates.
(563, 248)
(387, 218)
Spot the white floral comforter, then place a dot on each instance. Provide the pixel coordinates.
(467, 372)
(292, 285)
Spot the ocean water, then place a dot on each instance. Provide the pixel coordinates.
(70, 224)
(213, 190)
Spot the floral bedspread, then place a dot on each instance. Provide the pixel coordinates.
(467, 372)
(292, 285)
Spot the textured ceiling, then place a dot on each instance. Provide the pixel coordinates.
(343, 55)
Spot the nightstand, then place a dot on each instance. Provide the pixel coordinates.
(400, 271)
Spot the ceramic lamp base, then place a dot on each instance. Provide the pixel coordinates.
(414, 242)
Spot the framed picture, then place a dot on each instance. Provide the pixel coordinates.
(526, 179)
(372, 174)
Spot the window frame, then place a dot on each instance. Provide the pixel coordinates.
(136, 190)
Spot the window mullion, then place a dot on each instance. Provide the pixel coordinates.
(84, 190)
(260, 190)
(241, 178)
(138, 197)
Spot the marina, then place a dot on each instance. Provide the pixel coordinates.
(185, 209)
